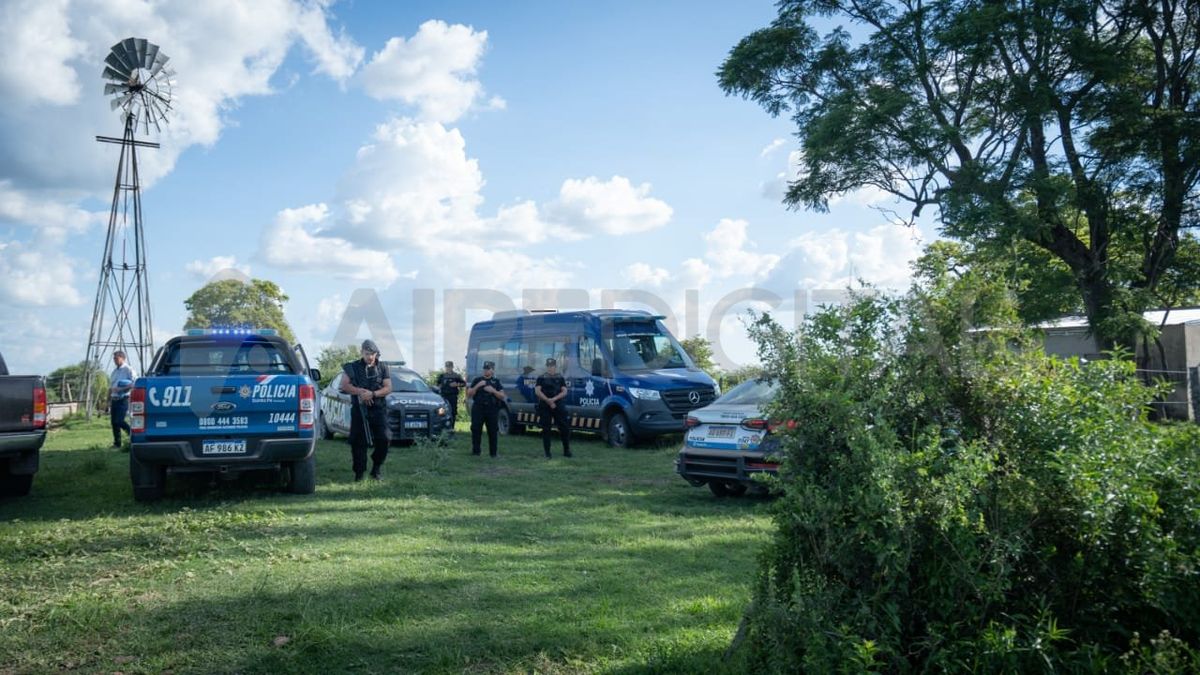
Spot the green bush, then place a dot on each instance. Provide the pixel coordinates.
(957, 500)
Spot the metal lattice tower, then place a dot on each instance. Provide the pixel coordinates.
(141, 87)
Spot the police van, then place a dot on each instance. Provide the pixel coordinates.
(628, 377)
(223, 401)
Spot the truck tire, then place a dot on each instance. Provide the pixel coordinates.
(149, 480)
(302, 479)
(326, 432)
(15, 485)
(617, 431)
(726, 489)
(505, 424)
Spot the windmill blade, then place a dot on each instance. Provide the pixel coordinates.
(118, 51)
(110, 74)
(120, 101)
(151, 55)
(125, 53)
(130, 46)
(159, 62)
(117, 64)
(139, 46)
(113, 88)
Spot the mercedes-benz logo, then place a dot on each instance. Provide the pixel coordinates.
(694, 397)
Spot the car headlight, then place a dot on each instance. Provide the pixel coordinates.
(645, 394)
(441, 411)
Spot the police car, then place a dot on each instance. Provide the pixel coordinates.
(224, 401)
(414, 409)
(729, 442)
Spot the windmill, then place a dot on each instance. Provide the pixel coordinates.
(137, 79)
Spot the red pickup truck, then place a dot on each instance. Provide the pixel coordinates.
(22, 429)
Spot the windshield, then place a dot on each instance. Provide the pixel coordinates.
(408, 382)
(750, 392)
(205, 357)
(643, 346)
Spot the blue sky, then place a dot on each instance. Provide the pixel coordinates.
(331, 147)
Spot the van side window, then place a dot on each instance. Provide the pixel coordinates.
(512, 359)
(488, 351)
(589, 350)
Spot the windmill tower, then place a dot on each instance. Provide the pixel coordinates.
(140, 85)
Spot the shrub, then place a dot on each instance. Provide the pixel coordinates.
(958, 500)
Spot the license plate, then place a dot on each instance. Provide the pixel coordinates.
(223, 447)
(414, 425)
(720, 432)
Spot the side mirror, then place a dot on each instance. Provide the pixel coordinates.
(315, 374)
(598, 367)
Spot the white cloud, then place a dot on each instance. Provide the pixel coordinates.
(288, 244)
(730, 251)
(836, 259)
(434, 70)
(615, 206)
(329, 314)
(776, 188)
(52, 219)
(39, 31)
(37, 278)
(772, 147)
(641, 274)
(218, 266)
(336, 56)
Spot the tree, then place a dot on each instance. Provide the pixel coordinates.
(700, 349)
(1071, 126)
(332, 359)
(233, 303)
(70, 382)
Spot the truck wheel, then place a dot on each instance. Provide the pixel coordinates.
(15, 485)
(618, 434)
(326, 432)
(149, 480)
(726, 489)
(303, 478)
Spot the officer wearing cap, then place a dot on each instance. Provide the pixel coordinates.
(551, 389)
(486, 394)
(368, 382)
(449, 382)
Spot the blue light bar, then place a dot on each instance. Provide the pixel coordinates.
(232, 331)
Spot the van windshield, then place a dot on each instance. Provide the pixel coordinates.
(643, 346)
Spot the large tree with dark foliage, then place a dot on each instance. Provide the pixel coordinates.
(1069, 125)
(233, 303)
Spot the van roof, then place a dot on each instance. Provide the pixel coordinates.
(556, 316)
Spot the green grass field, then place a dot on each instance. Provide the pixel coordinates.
(607, 562)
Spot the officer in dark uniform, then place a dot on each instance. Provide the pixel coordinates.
(368, 381)
(486, 394)
(551, 389)
(449, 382)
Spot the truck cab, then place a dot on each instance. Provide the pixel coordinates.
(224, 401)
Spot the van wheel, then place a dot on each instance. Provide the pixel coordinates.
(618, 431)
(505, 426)
(326, 432)
(149, 480)
(303, 478)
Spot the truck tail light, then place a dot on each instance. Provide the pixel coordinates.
(308, 396)
(39, 407)
(137, 410)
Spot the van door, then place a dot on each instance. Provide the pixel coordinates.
(589, 385)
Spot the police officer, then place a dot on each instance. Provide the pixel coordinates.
(551, 389)
(368, 382)
(118, 396)
(486, 394)
(449, 383)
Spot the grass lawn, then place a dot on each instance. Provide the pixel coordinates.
(604, 562)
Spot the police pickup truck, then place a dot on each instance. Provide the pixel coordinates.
(223, 401)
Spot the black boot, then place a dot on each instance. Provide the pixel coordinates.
(567, 452)
(377, 471)
(358, 476)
